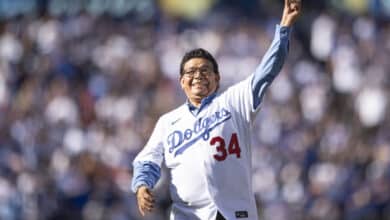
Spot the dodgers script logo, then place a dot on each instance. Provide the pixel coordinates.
(181, 140)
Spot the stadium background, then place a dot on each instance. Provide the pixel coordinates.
(82, 84)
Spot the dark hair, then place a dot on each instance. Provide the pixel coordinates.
(198, 53)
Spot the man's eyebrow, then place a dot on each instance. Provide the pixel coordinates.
(202, 66)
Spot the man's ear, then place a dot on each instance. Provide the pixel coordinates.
(217, 78)
(181, 82)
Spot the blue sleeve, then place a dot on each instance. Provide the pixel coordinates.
(271, 64)
(145, 173)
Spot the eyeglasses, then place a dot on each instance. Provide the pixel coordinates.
(204, 71)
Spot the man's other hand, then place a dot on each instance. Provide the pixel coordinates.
(145, 200)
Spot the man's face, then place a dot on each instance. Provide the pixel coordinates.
(198, 80)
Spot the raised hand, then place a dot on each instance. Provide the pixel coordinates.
(291, 11)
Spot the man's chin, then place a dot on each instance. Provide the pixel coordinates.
(200, 92)
(200, 95)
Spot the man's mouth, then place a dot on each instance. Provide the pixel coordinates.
(199, 84)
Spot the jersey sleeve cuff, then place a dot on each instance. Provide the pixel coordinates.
(283, 34)
(145, 173)
(283, 31)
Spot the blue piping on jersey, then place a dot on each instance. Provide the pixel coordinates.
(145, 173)
(194, 110)
(205, 134)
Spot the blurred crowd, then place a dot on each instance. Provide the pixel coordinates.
(80, 95)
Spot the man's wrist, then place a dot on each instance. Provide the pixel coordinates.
(285, 23)
(140, 186)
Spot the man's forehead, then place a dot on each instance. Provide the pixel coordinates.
(197, 62)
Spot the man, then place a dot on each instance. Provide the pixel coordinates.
(205, 143)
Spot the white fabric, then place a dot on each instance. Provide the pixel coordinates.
(200, 184)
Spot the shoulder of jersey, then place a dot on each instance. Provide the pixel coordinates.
(175, 113)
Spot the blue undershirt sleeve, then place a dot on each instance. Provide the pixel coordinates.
(145, 173)
(271, 64)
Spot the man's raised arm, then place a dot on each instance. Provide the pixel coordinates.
(273, 60)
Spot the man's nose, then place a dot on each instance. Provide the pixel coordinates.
(198, 74)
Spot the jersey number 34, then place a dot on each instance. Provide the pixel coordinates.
(222, 152)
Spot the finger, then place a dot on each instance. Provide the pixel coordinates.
(294, 3)
(294, 7)
(141, 210)
(147, 203)
(148, 207)
(149, 200)
(287, 4)
(145, 195)
(148, 197)
(297, 8)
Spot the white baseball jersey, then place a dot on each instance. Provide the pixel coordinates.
(209, 154)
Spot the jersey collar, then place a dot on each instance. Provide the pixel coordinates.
(194, 110)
